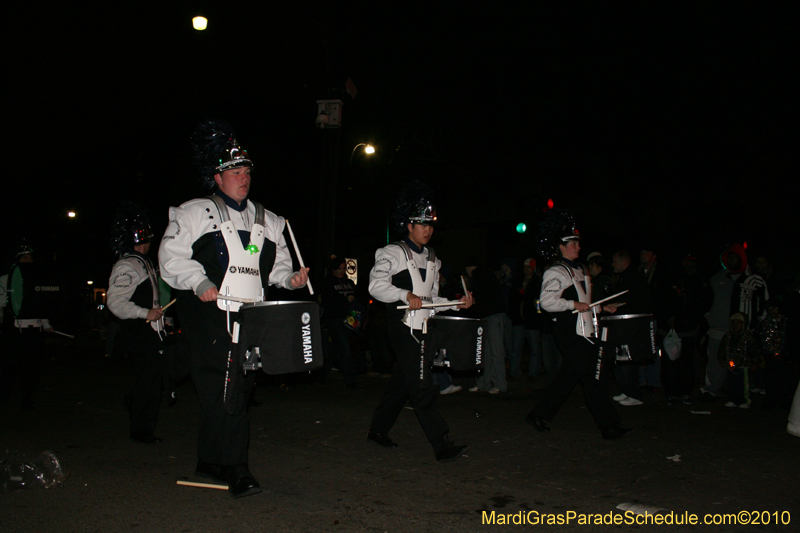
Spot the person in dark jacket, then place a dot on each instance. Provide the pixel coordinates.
(338, 300)
(637, 301)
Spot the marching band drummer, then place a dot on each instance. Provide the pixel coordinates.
(222, 244)
(407, 272)
(133, 297)
(565, 288)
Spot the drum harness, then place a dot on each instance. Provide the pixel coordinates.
(582, 294)
(420, 288)
(248, 256)
(157, 325)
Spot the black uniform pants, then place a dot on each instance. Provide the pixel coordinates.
(144, 399)
(411, 378)
(579, 365)
(223, 438)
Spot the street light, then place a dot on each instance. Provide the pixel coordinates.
(368, 149)
(199, 23)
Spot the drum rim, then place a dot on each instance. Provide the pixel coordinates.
(248, 305)
(624, 317)
(452, 318)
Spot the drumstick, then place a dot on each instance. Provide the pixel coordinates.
(172, 302)
(603, 300)
(235, 299)
(464, 286)
(65, 334)
(201, 485)
(440, 304)
(299, 257)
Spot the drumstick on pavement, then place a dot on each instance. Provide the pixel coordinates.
(299, 257)
(172, 302)
(201, 485)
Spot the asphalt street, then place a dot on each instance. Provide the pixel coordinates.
(319, 473)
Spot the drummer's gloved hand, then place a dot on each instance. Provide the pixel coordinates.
(580, 306)
(414, 301)
(210, 295)
(154, 314)
(300, 278)
(466, 301)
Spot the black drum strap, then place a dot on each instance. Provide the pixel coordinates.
(407, 251)
(223, 210)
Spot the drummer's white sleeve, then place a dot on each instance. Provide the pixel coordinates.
(388, 262)
(178, 269)
(553, 285)
(282, 272)
(125, 278)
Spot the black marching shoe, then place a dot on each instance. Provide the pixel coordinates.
(451, 452)
(240, 481)
(209, 471)
(381, 439)
(538, 424)
(616, 432)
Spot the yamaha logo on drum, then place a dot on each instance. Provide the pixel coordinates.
(479, 347)
(308, 350)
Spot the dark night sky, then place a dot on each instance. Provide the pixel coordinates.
(663, 124)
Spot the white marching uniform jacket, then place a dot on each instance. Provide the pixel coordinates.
(555, 281)
(200, 217)
(126, 275)
(390, 261)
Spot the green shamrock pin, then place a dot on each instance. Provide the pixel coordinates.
(252, 248)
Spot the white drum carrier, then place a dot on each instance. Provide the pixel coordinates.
(243, 277)
(417, 319)
(584, 326)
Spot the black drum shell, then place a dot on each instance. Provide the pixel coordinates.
(288, 335)
(638, 332)
(463, 338)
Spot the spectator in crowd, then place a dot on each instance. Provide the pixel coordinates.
(736, 289)
(687, 300)
(738, 353)
(637, 301)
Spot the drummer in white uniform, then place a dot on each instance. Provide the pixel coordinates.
(407, 272)
(222, 245)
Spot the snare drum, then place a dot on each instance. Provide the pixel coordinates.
(463, 338)
(634, 336)
(287, 334)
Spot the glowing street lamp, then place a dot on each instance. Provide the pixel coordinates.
(368, 149)
(71, 214)
(199, 23)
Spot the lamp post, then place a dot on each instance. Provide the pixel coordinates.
(368, 149)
